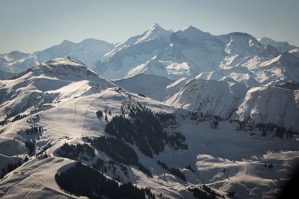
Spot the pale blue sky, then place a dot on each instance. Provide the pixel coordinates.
(30, 25)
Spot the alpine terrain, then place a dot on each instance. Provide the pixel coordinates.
(165, 114)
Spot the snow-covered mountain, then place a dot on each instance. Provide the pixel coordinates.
(209, 97)
(5, 75)
(151, 86)
(230, 100)
(281, 46)
(59, 118)
(188, 53)
(236, 101)
(89, 51)
(188, 115)
(52, 80)
(235, 57)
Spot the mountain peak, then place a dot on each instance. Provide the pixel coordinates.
(68, 68)
(94, 42)
(192, 29)
(156, 31)
(67, 43)
(156, 26)
(65, 61)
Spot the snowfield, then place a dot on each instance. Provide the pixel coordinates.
(62, 99)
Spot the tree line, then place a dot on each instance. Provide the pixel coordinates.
(144, 129)
(85, 181)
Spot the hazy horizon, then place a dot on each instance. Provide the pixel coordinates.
(34, 25)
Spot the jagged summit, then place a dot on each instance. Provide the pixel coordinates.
(154, 32)
(156, 26)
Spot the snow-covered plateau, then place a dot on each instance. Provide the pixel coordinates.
(68, 132)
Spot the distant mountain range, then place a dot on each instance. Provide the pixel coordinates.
(189, 53)
(87, 51)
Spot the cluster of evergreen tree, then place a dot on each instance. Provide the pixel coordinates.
(112, 166)
(214, 124)
(142, 95)
(30, 146)
(85, 181)
(116, 149)
(277, 130)
(166, 119)
(42, 153)
(177, 141)
(18, 117)
(265, 128)
(145, 170)
(3, 122)
(34, 130)
(144, 129)
(149, 135)
(194, 115)
(99, 114)
(174, 171)
(75, 152)
(100, 165)
(204, 192)
(103, 167)
(10, 166)
(242, 125)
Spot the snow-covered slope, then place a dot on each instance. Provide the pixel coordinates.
(188, 53)
(89, 51)
(237, 57)
(271, 105)
(62, 105)
(209, 97)
(52, 80)
(136, 51)
(151, 86)
(226, 98)
(281, 46)
(5, 75)
(235, 100)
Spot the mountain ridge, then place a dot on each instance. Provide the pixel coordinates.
(184, 53)
(191, 52)
(88, 51)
